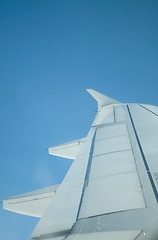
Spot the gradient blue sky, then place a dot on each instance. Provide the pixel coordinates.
(50, 52)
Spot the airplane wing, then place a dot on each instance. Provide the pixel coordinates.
(111, 189)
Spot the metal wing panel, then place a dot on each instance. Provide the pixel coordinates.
(112, 164)
(145, 127)
(110, 145)
(113, 183)
(150, 108)
(146, 124)
(119, 235)
(111, 130)
(106, 115)
(120, 113)
(112, 194)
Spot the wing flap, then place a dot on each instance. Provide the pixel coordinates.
(113, 182)
(67, 150)
(32, 203)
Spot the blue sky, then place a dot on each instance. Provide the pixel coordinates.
(50, 52)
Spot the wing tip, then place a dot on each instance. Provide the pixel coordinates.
(102, 99)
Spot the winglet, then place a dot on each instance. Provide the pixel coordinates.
(101, 99)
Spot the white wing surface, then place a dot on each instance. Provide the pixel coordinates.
(111, 189)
